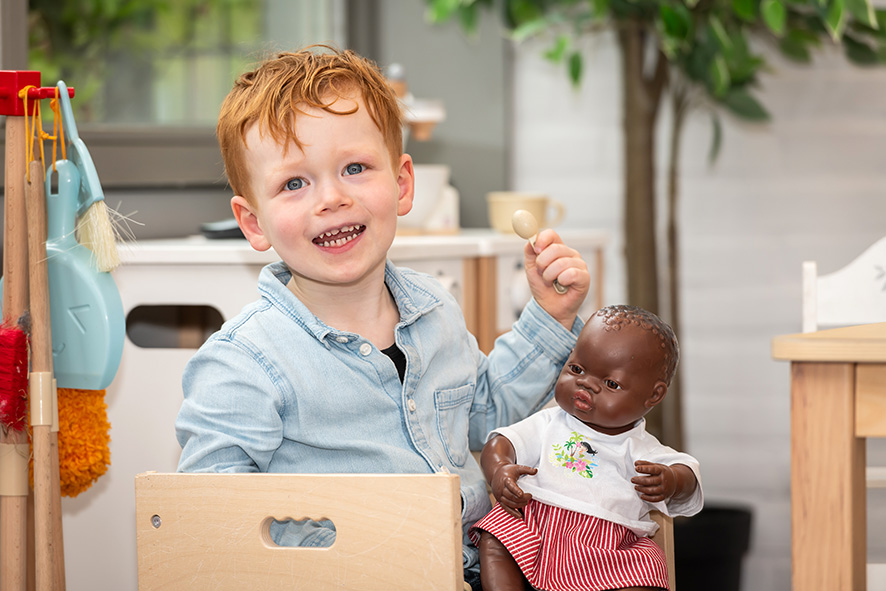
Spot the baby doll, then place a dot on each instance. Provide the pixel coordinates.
(589, 473)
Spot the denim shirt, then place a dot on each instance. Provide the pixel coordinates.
(277, 390)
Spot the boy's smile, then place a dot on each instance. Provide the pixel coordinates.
(330, 209)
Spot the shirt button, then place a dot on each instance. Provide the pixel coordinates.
(411, 405)
(365, 349)
(341, 339)
(444, 470)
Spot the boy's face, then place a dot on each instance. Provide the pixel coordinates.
(330, 210)
(612, 378)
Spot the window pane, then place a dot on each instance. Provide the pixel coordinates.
(166, 62)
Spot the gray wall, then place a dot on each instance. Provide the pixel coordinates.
(470, 76)
(810, 185)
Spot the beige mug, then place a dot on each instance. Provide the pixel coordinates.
(503, 204)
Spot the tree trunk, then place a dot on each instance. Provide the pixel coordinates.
(672, 411)
(640, 106)
(641, 97)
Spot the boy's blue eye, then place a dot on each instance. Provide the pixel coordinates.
(354, 168)
(294, 184)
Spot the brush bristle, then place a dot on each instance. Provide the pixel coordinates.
(13, 378)
(96, 232)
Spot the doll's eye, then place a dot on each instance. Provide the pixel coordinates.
(612, 385)
(354, 168)
(576, 369)
(294, 184)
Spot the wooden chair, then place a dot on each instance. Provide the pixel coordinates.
(211, 531)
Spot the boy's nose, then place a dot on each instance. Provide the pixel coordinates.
(332, 197)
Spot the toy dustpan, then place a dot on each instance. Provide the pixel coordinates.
(85, 306)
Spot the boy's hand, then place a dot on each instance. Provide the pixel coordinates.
(505, 490)
(552, 259)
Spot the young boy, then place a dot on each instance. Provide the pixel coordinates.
(588, 471)
(347, 363)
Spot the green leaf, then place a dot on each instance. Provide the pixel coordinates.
(558, 50)
(676, 23)
(742, 104)
(440, 11)
(469, 17)
(863, 12)
(773, 12)
(575, 68)
(746, 10)
(859, 53)
(836, 18)
(529, 29)
(716, 137)
(720, 34)
(599, 8)
(719, 76)
(795, 47)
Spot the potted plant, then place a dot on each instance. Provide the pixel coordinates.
(701, 55)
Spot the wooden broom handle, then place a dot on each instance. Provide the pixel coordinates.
(46, 522)
(13, 509)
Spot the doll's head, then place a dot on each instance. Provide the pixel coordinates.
(620, 368)
(274, 97)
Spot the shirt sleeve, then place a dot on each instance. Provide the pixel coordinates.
(668, 456)
(518, 376)
(230, 418)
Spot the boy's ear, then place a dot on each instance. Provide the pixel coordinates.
(658, 393)
(406, 184)
(248, 221)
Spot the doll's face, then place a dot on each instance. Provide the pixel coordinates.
(612, 378)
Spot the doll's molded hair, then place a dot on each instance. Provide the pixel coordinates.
(614, 317)
(274, 94)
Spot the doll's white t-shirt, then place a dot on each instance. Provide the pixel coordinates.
(589, 472)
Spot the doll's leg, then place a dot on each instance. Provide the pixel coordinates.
(498, 569)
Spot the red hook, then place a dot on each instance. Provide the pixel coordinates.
(12, 81)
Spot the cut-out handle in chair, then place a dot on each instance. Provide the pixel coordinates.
(208, 531)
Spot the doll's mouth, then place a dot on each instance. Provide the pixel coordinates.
(582, 400)
(339, 236)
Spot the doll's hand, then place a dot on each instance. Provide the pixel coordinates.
(504, 487)
(659, 484)
(552, 259)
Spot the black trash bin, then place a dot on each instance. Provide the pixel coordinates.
(709, 548)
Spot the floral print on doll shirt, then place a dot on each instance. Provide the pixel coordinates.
(576, 455)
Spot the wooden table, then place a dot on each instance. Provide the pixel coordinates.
(838, 398)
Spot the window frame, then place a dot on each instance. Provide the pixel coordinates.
(154, 156)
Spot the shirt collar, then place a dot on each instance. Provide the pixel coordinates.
(412, 299)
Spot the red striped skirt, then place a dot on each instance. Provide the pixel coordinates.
(561, 550)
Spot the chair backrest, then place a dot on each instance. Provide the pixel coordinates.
(855, 294)
(210, 531)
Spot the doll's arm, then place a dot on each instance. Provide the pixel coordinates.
(663, 483)
(498, 461)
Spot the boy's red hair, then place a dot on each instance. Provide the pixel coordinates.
(274, 95)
